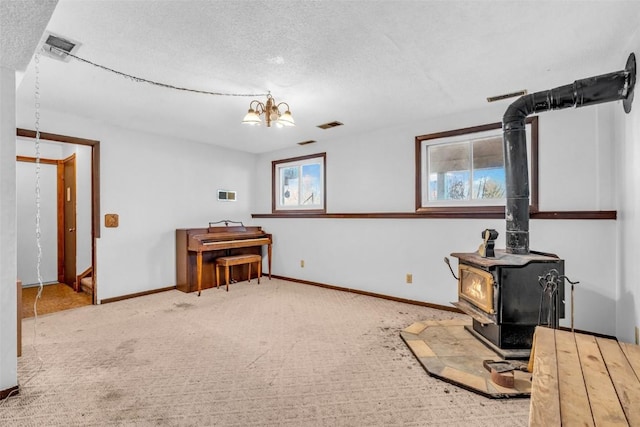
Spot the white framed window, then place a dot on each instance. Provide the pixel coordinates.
(464, 170)
(298, 184)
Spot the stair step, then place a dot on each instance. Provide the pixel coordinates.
(86, 284)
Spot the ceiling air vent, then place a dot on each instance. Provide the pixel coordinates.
(311, 141)
(330, 125)
(507, 96)
(57, 47)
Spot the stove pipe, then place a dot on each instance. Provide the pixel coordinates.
(593, 90)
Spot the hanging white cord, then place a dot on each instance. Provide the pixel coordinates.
(38, 231)
(36, 61)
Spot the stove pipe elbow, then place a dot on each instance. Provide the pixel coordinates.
(594, 90)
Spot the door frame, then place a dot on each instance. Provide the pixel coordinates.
(95, 187)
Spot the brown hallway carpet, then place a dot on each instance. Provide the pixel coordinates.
(54, 298)
(274, 354)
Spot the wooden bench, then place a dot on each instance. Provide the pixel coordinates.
(228, 261)
(584, 380)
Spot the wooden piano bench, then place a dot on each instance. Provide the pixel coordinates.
(228, 261)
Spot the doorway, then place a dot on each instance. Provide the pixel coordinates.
(69, 246)
(52, 209)
(75, 224)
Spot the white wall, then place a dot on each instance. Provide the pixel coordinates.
(27, 242)
(628, 173)
(628, 296)
(8, 252)
(576, 158)
(83, 206)
(375, 173)
(155, 185)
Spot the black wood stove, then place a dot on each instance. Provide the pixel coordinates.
(506, 299)
(505, 292)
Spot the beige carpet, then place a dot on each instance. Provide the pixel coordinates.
(274, 354)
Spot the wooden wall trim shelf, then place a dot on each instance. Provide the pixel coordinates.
(448, 214)
(581, 379)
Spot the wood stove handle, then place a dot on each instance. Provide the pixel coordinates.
(446, 261)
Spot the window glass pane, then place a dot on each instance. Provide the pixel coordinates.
(311, 187)
(488, 169)
(289, 190)
(298, 184)
(463, 169)
(449, 171)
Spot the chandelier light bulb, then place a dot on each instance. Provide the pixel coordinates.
(252, 118)
(286, 119)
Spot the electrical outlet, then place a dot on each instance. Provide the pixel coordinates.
(409, 278)
(301, 263)
(637, 335)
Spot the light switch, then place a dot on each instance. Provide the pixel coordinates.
(111, 220)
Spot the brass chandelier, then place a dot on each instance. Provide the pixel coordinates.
(271, 112)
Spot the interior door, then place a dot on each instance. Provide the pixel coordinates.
(70, 221)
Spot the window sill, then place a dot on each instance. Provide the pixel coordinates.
(301, 212)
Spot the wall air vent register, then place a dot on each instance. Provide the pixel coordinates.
(226, 196)
(57, 47)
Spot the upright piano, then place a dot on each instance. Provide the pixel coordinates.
(197, 249)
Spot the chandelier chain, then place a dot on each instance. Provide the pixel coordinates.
(151, 82)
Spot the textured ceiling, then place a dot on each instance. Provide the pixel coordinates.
(21, 25)
(369, 64)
